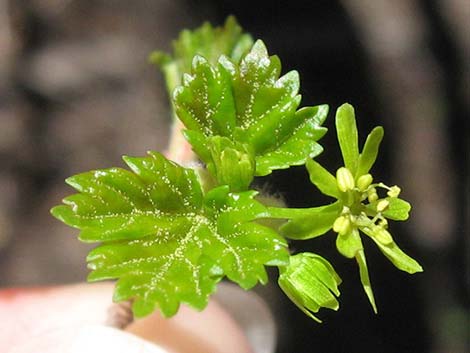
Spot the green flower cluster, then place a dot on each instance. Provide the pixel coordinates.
(358, 207)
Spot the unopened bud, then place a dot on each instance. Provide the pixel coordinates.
(342, 225)
(364, 182)
(382, 205)
(394, 191)
(372, 195)
(344, 179)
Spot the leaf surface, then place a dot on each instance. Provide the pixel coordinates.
(166, 241)
(252, 105)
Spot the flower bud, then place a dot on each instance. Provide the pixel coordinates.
(344, 179)
(364, 182)
(372, 195)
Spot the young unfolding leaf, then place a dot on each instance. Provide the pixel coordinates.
(230, 163)
(252, 105)
(164, 239)
(311, 283)
(232, 166)
(207, 41)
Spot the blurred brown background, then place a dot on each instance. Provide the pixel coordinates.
(77, 92)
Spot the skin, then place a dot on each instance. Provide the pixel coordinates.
(72, 319)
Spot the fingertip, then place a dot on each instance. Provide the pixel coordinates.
(212, 330)
(88, 338)
(98, 339)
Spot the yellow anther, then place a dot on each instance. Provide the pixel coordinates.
(394, 191)
(344, 179)
(382, 205)
(342, 225)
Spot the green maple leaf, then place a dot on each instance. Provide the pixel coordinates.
(251, 105)
(208, 41)
(165, 239)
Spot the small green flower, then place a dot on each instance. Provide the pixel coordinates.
(360, 205)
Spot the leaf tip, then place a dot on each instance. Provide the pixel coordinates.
(231, 21)
(57, 212)
(259, 48)
(346, 108)
(199, 61)
(159, 58)
(379, 130)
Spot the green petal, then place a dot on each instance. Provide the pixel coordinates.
(313, 223)
(398, 209)
(364, 274)
(401, 260)
(349, 244)
(370, 151)
(346, 130)
(322, 179)
(391, 250)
